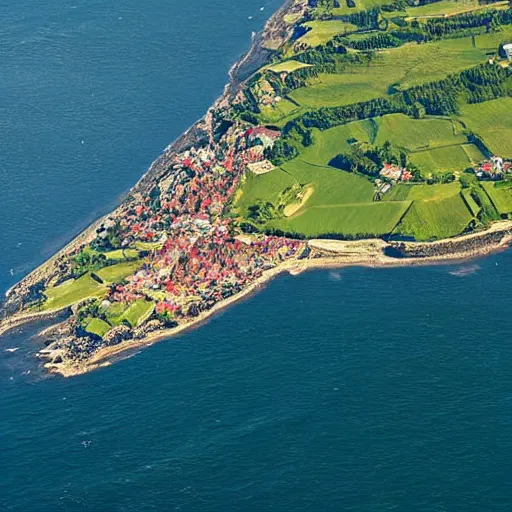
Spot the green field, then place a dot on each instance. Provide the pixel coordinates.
(501, 197)
(288, 66)
(492, 121)
(135, 313)
(73, 291)
(472, 204)
(360, 6)
(449, 8)
(138, 312)
(436, 144)
(322, 31)
(280, 113)
(98, 327)
(451, 158)
(359, 219)
(121, 254)
(402, 67)
(436, 218)
(118, 272)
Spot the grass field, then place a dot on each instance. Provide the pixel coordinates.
(122, 254)
(361, 5)
(473, 206)
(403, 67)
(364, 219)
(138, 312)
(442, 135)
(280, 113)
(492, 121)
(449, 8)
(73, 291)
(135, 313)
(288, 66)
(322, 31)
(451, 158)
(116, 273)
(437, 218)
(98, 327)
(501, 197)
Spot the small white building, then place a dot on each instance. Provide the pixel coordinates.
(507, 48)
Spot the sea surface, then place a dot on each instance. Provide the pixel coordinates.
(338, 390)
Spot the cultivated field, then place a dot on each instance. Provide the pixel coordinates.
(322, 31)
(492, 121)
(402, 67)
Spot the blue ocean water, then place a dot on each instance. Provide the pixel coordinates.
(351, 389)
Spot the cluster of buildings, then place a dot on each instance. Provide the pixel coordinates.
(495, 168)
(395, 173)
(198, 258)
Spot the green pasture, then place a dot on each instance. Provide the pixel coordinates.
(398, 68)
(288, 66)
(501, 197)
(437, 218)
(73, 291)
(492, 121)
(135, 313)
(280, 113)
(472, 204)
(358, 219)
(322, 31)
(361, 5)
(448, 8)
(450, 158)
(118, 272)
(98, 327)
(121, 254)
(138, 312)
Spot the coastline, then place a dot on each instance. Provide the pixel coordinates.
(327, 253)
(369, 254)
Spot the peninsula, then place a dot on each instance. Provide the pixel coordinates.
(353, 132)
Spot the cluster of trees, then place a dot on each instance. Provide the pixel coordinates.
(368, 19)
(475, 85)
(375, 42)
(439, 28)
(88, 262)
(322, 9)
(370, 160)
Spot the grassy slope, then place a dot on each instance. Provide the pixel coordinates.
(323, 31)
(408, 65)
(288, 66)
(116, 273)
(438, 218)
(72, 291)
(500, 197)
(492, 121)
(98, 327)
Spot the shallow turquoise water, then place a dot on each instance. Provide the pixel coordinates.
(356, 389)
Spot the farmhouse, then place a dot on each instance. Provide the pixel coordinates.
(495, 167)
(264, 135)
(395, 173)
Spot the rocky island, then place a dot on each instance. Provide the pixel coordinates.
(355, 132)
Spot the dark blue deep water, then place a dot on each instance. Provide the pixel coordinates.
(348, 390)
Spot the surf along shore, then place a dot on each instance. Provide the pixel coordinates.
(304, 255)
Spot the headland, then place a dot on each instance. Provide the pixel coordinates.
(223, 210)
